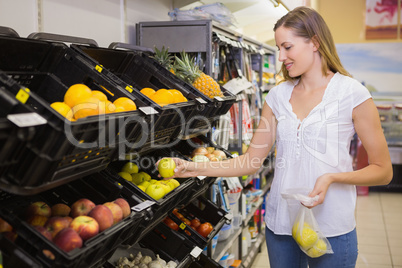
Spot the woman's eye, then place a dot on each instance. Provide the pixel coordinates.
(287, 48)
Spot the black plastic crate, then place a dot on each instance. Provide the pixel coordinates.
(14, 256)
(206, 211)
(94, 250)
(170, 245)
(37, 73)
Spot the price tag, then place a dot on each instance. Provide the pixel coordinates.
(143, 205)
(218, 98)
(27, 119)
(201, 101)
(129, 89)
(201, 177)
(148, 110)
(196, 252)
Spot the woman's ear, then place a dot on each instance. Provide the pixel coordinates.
(315, 42)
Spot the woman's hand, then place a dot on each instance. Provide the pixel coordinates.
(184, 169)
(320, 188)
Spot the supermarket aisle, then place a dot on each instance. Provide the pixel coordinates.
(379, 230)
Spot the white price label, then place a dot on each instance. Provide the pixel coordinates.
(143, 205)
(27, 119)
(148, 110)
(196, 252)
(201, 101)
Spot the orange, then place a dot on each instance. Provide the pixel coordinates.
(99, 95)
(177, 95)
(76, 94)
(62, 109)
(126, 103)
(88, 107)
(110, 107)
(147, 91)
(119, 109)
(162, 97)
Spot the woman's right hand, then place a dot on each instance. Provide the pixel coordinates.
(184, 169)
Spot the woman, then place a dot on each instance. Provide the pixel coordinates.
(313, 116)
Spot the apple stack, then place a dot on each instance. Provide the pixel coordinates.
(156, 189)
(69, 226)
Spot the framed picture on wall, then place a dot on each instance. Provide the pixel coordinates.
(381, 19)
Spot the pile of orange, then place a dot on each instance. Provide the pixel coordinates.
(80, 101)
(164, 96)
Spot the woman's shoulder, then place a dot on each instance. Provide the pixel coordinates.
(282, 87)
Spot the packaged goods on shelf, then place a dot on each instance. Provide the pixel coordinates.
(52, 149)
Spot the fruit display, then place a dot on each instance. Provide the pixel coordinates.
(164, 96)
(186, 69)
(69, 226)
(7, 230)
(156, 189)
(80, 101)
(205, 154)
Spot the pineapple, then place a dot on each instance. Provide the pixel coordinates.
(189, 72)
(164, 58)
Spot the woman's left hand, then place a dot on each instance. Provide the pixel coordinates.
(320, 188)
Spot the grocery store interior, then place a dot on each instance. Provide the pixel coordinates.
(95, 93)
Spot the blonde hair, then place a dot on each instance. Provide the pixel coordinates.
(308, 23)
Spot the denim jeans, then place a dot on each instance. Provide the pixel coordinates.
(283, 252)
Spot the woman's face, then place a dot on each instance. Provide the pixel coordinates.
(296, 53)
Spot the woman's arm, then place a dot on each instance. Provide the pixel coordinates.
(379, 171)
(248, 163)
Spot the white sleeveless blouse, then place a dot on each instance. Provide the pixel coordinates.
(317, 145)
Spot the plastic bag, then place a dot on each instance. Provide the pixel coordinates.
(305, 229)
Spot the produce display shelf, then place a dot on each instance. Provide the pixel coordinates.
(54, 150)
(95, 250)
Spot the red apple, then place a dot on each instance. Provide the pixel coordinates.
(37, 220)
(5, 226)
(103, 215)
(38, 208)
(85, 226)
(56, 224)
(44, 231)
(116, 211)
(124, 205)
(68, 239)
(81, 207)
(60, 209)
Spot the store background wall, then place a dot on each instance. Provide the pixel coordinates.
(105, 21)
(346, 20)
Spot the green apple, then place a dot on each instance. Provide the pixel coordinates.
(145, 184)
(130, 167)
(171, 184)
(155, 191)
(165, 186)
(152, 181)
(137, 178)
(147, 177)
(125, 175)
(142, 187)
(166, 167)
(175, 183)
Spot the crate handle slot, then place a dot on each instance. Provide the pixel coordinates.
(8, 31)
(63, 38)
(115, 45)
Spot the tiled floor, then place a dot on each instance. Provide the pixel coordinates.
(379, 231)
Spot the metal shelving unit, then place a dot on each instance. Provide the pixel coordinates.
(198, 36)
